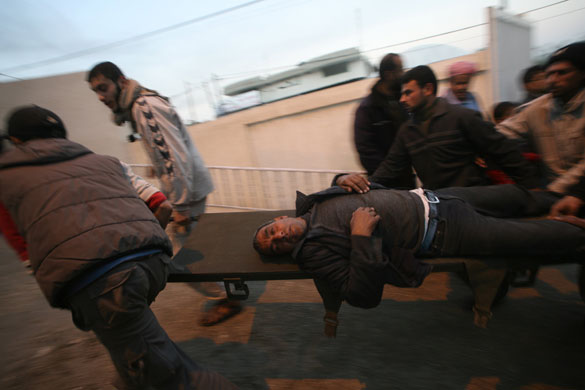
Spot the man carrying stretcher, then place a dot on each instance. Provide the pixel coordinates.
(357, 242)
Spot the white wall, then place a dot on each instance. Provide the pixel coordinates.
(312, 81)
(510, 54)
(86, 119)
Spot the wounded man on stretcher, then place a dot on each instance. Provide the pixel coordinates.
(357, 242)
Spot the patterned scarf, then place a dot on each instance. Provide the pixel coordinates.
(127, 98)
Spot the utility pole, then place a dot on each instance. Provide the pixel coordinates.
(358, 25)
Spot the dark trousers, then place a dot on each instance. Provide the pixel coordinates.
(116, 308)
(486, 221)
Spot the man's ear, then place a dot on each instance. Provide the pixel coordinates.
(122, 82)
(428, 89)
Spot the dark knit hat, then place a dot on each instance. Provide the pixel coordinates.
(31, 122)
(573, 53)
(388, 63)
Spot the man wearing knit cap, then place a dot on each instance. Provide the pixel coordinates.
(379, 116)
(183, 176)
(555, 122)
(95, 248)
(460, 74)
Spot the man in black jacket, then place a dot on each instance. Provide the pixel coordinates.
(442, 142)
(356, 243)
(379, 116)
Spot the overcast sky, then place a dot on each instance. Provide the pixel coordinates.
(168, 45)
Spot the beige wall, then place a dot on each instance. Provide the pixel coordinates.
(312, 131)
(86, 119)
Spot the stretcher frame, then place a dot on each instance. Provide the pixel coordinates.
(219, 249)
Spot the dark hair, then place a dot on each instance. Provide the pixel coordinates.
(388, 64)
(107, 69)
(530, 72)
(574, 53)
(34, 122)
(423, 75)
(256, 242)
(501, 108)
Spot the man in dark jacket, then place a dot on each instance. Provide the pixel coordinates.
(379, 116)
(95, 249)
(356, 243)
(442, 141)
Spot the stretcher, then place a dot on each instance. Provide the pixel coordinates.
(219, 249)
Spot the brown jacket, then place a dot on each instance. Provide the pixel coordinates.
(558, 133)
(75, 209)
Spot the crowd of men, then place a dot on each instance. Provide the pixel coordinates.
(95, 236)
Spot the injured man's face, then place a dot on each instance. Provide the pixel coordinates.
(280, 236)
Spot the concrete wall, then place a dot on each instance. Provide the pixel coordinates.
(86, 119)
(510, 54)
(311, 131)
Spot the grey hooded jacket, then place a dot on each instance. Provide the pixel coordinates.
(75, 209)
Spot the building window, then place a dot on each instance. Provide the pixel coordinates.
(332, 70)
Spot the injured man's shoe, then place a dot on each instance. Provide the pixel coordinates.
(220, 311)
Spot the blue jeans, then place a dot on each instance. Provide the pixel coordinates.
(116, 307)
(485, 221)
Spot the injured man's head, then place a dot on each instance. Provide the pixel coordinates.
(279, 235)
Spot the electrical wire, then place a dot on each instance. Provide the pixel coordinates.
(138, 37)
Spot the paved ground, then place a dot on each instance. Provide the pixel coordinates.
(416, 339)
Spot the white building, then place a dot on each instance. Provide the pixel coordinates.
(321, 72)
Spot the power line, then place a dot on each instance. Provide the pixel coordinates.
(555, 16)
(131, 39)
(236, 75)
(233, 75)
(12, 77)
(544, 6)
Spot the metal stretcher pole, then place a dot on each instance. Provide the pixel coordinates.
(332, 303)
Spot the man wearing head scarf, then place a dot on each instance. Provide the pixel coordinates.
(460, 74)
(555, 122)
(177, 164)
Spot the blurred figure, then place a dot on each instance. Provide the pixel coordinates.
(555, 122)
(95, 249)
(534, 83)
(503, 111)
(177, 164)
(441, 141)
(460, 75)
(379, 116)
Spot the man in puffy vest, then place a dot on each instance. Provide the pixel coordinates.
(95, 249)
